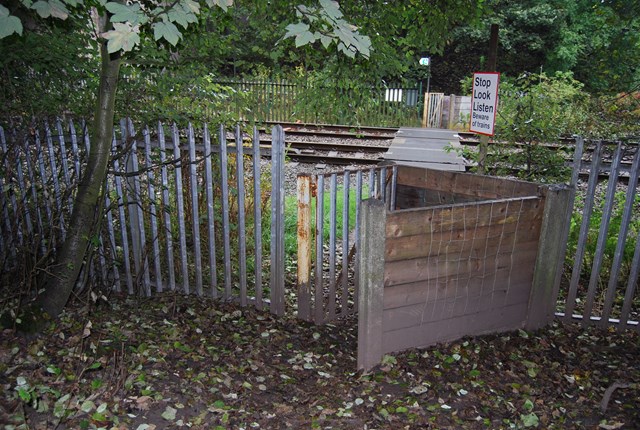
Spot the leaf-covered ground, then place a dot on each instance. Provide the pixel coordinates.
(179, 362)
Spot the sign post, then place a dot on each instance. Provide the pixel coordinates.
(484, 103)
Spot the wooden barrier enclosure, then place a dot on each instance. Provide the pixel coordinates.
(463, 255)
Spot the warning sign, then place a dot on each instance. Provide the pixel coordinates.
(484, 103)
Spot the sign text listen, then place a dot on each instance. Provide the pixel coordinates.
(484, 103)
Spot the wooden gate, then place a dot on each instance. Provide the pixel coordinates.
(432, 113)
(328, 228)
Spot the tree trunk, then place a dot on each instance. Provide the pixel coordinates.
(84, 217)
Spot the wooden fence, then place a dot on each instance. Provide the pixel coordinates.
(459, 255)
(183, 210)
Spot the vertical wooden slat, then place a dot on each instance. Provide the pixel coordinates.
(36, 205)
(226, 228)
(622, 237)
(54, 178)
(153, 213)
(74, 151)
(24, 202)
(138, 234)
(65, 166)
(371, 267)
(182, 231)
(319, 269)
(123, 223)
(602, 234)
(242, 237)
(277, 221)
(304, 246)
(166, 204)
(208, 176)
(112, 236)
(549, 262)
(584, 230)
(43, 177)
(193, 180)
(345, 242)
(257, 217)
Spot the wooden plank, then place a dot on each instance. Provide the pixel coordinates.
(471, 240)
(490, 321)
(407, 271)
(195, 211)
(304, 246)
(447, 308)
(422, 292)
(420, 221)
(476, 186)
(409, 197)
(372, 221)
(167, 208)
(549, 260)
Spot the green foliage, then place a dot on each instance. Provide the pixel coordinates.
(597, 41)
(325, 23)
(48, 71)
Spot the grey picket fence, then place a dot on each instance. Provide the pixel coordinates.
(328, 230)
(601, 286)
(183, 210)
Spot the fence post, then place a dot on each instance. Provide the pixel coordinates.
(277, 221)
(551, 248)
(371, 250)
(304, 247)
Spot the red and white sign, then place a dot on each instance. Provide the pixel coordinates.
(484, 103)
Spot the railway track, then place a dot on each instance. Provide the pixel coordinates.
(339, 145)
(332, 144)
